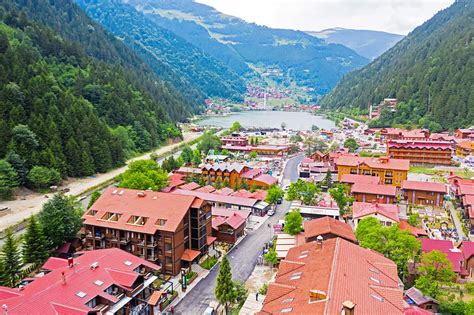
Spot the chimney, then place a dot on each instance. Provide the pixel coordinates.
(319, 241)
(141, 194)
(63, 276)
(70, 262)
(4, 309)
(348, 308)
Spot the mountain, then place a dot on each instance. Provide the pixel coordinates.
(431, 71)
(369, 44)
(302, 58)
(74, 25)
(161, 48)
(65, 103)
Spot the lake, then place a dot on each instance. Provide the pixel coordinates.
(270, 119)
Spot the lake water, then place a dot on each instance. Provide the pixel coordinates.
(270, 119)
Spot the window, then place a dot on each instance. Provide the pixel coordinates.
(81, 294)
(137, 220)
(286, 310)
(111, 216)
(388, 181)
(388, 174)
(160, 222)
(296, 276)
(353, 171)
(168, 247)
(377, 297)
(285, 301)
(92, 212)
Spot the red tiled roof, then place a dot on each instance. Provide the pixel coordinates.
(50, 295)
(226, 191)
(224, 212)
(363, 179)
(246, 202)
(445, 246)
(190, 254)
(242, 193)
(415, 231)
(208, 189)
(266, 179)
(340, 270)
(210, 239)
(415, 310)
(235, 220)
(376, 163)
(260, 195)
(189, 186)
(418, 297)
(176, 180)
(466, 189)
(467, 249)
(362, 209)
(326, 225)
(420, 145)
(128, 203)
(465, 145)
(374, 189)
(424, 186)
(250, 174)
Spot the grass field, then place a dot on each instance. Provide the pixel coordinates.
(466, 174)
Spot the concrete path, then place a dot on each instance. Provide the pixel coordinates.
(457, 223)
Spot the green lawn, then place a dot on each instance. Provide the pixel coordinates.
(466, 174)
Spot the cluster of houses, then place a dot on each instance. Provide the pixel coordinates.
(421, 147)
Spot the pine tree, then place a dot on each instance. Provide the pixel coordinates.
(8, 180)
(218, 183)
(226, 182)
(10, 259)
(224, 290)
(327, 181)
(35, 246)
(60, 219)
(236, 184)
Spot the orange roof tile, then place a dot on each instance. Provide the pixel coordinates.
(362, 209)
(374, 189)
(376, 163)
(339, 270)
(150, 205)
(190, 254)
(424, 186)
(326, 225)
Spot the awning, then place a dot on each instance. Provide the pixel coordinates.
(155, 297)
(190, 255)
(211, 239)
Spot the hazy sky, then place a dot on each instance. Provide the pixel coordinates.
(396, 16)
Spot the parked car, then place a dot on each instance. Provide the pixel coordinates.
(271, 212)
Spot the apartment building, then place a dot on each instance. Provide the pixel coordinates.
(390, 171)
(421, 152)
(106, 281)
(167, 229)
(424, 193)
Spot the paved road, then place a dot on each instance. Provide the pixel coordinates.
(242, 258)
(33, 203)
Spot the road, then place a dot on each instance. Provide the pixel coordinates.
(242, 258)
(457, 223)
(22, 209)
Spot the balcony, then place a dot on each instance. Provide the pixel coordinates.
(152, 258)
(124, 240)
(111, 237)
(151, 244)
(141, 243)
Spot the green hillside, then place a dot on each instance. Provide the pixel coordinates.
(431, 71)
(302, 58)
(63, 109)
(163, 49)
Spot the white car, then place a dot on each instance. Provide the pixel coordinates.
(271, 212)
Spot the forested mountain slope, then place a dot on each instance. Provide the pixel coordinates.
(65, 110)
(161, 82)
(367, 43)
(304, 59)
(158, 46)
(431, 71)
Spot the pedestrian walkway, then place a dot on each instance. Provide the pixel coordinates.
(454, 216)
(252, 305)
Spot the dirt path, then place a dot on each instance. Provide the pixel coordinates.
(32, 204)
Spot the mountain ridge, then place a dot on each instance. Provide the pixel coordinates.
(430, 71)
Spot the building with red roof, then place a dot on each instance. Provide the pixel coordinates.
(334, 277)
(351, 179)
(415, 297)
(159, 227)
(327, 228)
(94, 282)
(429, 152)
(413, 230)
(390, 171)
(424, 193)
(465, 148)
(387, 214)
(228, 228)
(454, 254)
(374, 193)
(464, 133)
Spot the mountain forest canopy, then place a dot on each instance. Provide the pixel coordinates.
(65, 110)
(302, 58)
(430, 71)
(165, 51)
